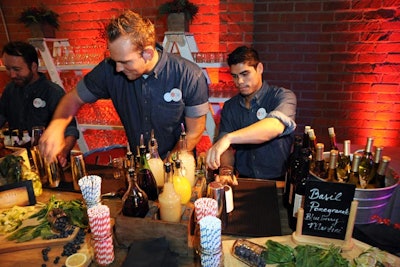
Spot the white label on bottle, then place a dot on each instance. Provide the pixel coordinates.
(176, 94)
(298, 200)
(261, 113)
(167, 97)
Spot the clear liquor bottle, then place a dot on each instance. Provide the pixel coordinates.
(188, 161)
(344, 163)
(366, 163)
(155, 162)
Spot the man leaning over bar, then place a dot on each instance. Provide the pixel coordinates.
(149, 87)
(257, 125)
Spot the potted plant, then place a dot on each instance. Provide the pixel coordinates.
(180, 14)
(41, 20)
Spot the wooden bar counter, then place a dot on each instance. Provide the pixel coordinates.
(256, 214)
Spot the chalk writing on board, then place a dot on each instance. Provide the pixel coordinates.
(327, 209)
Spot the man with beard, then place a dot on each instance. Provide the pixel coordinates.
(256, 128)
(30, 99)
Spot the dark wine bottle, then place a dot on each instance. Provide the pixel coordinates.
(306, 138)
(146, 178)
(319, 163)
(301, 177)
(134, 202)
(293, 163)
(375, 165)
(381, 172)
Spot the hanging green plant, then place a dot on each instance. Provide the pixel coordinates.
(179, 6)
(39, 15)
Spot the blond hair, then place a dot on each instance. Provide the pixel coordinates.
(139, 30)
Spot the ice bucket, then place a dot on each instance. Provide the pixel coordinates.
(372, 201)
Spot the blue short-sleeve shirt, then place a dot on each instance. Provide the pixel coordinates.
(160, 100)
(32, 105)
(267, 160)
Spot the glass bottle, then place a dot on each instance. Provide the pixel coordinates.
(134, 202)
(7, 136)
(313, 146)
(366, 162)
(319, 162)
(26, 139)
(146, 178)
(295, 164)
(332, 138)
(306, 138)
(354, 177)
(332, 176)
(155, 162)
(375, 165)
(302, 177)
(188, 162)
(14, 137)
(170, 201)
(181, 183)
(129, 159)
(344, 163)
(381, 172)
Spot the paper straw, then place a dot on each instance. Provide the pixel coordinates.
(104, 250)
(210, 233)
(91, 189)
(99, 220)
(205, 207)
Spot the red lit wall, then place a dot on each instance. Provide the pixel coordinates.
(341, 58)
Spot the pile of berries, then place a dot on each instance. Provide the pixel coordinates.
(70, 248)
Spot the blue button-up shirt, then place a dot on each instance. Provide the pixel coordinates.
(267, 160)
(146, 103)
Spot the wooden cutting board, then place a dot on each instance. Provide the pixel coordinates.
(10, 246)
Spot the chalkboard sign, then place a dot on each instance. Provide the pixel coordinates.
(327, 209)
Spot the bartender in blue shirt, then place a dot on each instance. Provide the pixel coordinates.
(257, 125)
(30, 98)
(150, 89)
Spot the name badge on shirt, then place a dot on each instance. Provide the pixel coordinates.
(261, 113)
(39, 103)
(175, 95)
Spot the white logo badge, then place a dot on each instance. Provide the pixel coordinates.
(176, 94)
(167, 97)
(39, 103)
(261, 113)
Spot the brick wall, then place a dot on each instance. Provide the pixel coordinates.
(341, 58)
